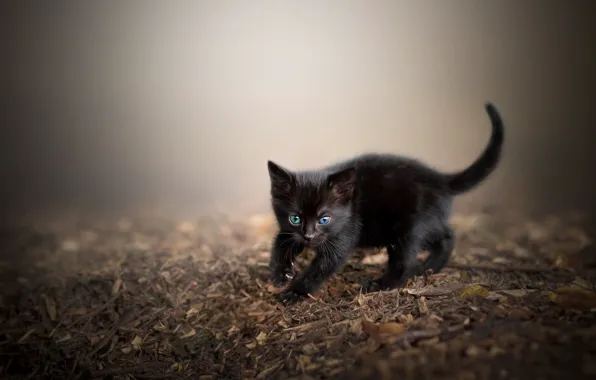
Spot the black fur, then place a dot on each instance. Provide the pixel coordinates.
(373, 200)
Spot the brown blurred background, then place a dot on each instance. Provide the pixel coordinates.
(113, 105)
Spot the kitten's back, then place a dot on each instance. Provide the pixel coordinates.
(389, 171)
(397, 171)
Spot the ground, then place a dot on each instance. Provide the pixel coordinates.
(154, 298)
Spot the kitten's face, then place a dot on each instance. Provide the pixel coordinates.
(311, 206)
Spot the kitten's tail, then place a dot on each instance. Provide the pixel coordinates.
(485, 164)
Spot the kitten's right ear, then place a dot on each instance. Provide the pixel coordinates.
(277, 173)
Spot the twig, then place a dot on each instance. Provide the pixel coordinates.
(413, 336)
(286, 341)
(306, 326)
(146, 367)
(123, 320)
(74, 367)
(320, 301)
(154, 377)
(96, 311)
(68, 305)
(500, 268)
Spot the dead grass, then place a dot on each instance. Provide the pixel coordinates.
(149, 298)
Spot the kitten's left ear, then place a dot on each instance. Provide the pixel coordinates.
(342, 183)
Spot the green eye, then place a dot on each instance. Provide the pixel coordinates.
(295, 220)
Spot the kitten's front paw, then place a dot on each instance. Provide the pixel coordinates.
(281, 277)
(375, 285)
(290, 297)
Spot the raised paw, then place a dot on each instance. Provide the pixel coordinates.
(375, 285)
(290, 297)
(281, 277)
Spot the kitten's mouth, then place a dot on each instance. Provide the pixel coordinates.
(313, 243)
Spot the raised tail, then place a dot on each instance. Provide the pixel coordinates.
(485, 164)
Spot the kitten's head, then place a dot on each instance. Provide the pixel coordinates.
(312, 206)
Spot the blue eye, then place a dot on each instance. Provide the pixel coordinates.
(295, 220)
(325, 220)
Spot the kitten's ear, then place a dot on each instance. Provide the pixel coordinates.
(342, 183)
(281, 178)
(277, 173)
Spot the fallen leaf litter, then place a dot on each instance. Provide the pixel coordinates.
(150, 297)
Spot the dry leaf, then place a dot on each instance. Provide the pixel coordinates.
(375, 259)
(159, 326)
(583, 283)
(422, 307)
(446, 289)
(70, 245)
(391, 328)
(473, 290)
(167, 276)
(251, 346)
(380, 332)
(191, 312)
(283, 324)
(262, 338)
(178, 367)
(472, 351)
(464, 276)
(267, 372)
(126, 350)
(496, 350)
(192, 332)
(369, 327)
(233, 330)
(66, 337)
(355, 327)
(334, 292)
(333, 362)
(504, 295)
(51, 308)
(197, 306)
(116, 286)
(518, 292)
(124, 225)
(186, 227)
(361, 299)
(304, 360)
(501, 260)
(88, 236)
(429, 342)
(272, 289)
(561, 262)
(26, 335)
(136, 342)
(78, 311)
(573, 298)
(519, 314)
(310, 349)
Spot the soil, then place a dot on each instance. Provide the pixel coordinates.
(155, 298)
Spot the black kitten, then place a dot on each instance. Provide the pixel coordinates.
(369, 201)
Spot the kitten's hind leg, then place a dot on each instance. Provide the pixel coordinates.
(285, 249)
(440, 247)
(401, 265)
(328, 260)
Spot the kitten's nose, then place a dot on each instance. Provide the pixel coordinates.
(309, 236)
